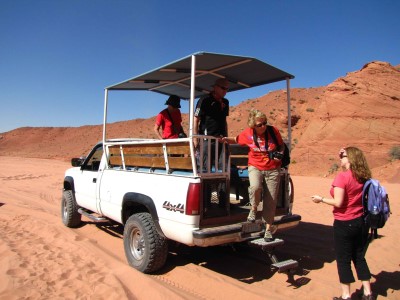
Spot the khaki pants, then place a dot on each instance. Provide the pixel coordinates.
(268, 183)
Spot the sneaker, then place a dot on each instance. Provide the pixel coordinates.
(252, 216)
(273, 228)
(268, 236)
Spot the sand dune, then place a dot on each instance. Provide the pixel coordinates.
(42, 259)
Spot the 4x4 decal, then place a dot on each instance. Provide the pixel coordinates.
(178, 207)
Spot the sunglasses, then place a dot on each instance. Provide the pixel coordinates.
(261, 124)
(341, 155)
(222, 87)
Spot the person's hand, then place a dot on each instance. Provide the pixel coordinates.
(195, 143)
(225, 140)
(316, 199)
(228, 140)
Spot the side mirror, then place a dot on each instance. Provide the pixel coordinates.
(77, 162)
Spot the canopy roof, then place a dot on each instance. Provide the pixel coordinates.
(175, 78)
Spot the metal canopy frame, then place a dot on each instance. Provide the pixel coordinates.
(175, 78)
(193, 76)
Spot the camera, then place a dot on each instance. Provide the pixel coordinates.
(275, 154)
(182, 135)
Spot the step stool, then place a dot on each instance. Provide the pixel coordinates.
(269, 247)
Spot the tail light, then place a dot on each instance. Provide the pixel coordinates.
(193, 199)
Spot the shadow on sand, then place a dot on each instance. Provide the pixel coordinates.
(310, 244)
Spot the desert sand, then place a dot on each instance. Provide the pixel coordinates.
(42, 259)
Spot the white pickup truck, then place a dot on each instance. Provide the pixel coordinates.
(155, 189)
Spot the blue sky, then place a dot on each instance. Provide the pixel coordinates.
(57, 56)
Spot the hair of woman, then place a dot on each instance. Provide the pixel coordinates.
(253, 115)
(358, 164)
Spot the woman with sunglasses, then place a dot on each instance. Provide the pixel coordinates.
(264, 166)
(349, 230)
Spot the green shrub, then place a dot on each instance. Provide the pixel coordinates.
(394, 153)
(334, 168)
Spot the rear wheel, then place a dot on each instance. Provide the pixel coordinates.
(291, 190)
(69, 210)
(145, 249)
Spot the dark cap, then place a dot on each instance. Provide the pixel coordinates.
(174, 101)
(222, 82)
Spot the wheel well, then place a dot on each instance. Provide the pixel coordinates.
(68, 183)
(130, 208)
(136, 203)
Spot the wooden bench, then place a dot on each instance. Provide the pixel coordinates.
(239, 155)
(152, 156)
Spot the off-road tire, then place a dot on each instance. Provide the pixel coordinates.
(69, 210)
(291, 190)
(145, 249)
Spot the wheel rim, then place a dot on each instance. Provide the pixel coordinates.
(137, 244)
(65, 210)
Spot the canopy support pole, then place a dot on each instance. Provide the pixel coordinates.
(191, 100)
(289, 113)
(105, 114)
(191, 113)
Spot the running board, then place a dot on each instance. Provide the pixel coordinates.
(90, 216)
(268, 247)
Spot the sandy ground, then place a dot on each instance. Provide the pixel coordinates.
(42, 259)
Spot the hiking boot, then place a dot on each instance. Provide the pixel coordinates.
(268, 236)
(252, 216)
(368, 297)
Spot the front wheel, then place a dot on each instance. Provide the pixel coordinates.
(69, 210)
(145, 249)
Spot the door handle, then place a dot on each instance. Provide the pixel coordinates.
(94, 180)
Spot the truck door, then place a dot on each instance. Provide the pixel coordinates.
(87, 183)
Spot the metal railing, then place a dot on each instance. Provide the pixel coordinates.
(209, 159)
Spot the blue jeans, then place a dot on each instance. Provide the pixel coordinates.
(351, 242)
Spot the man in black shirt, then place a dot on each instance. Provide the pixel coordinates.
(210, 119)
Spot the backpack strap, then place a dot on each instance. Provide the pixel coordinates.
(271, 132)
(176, 131)
(365, 191)
(373, 232)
